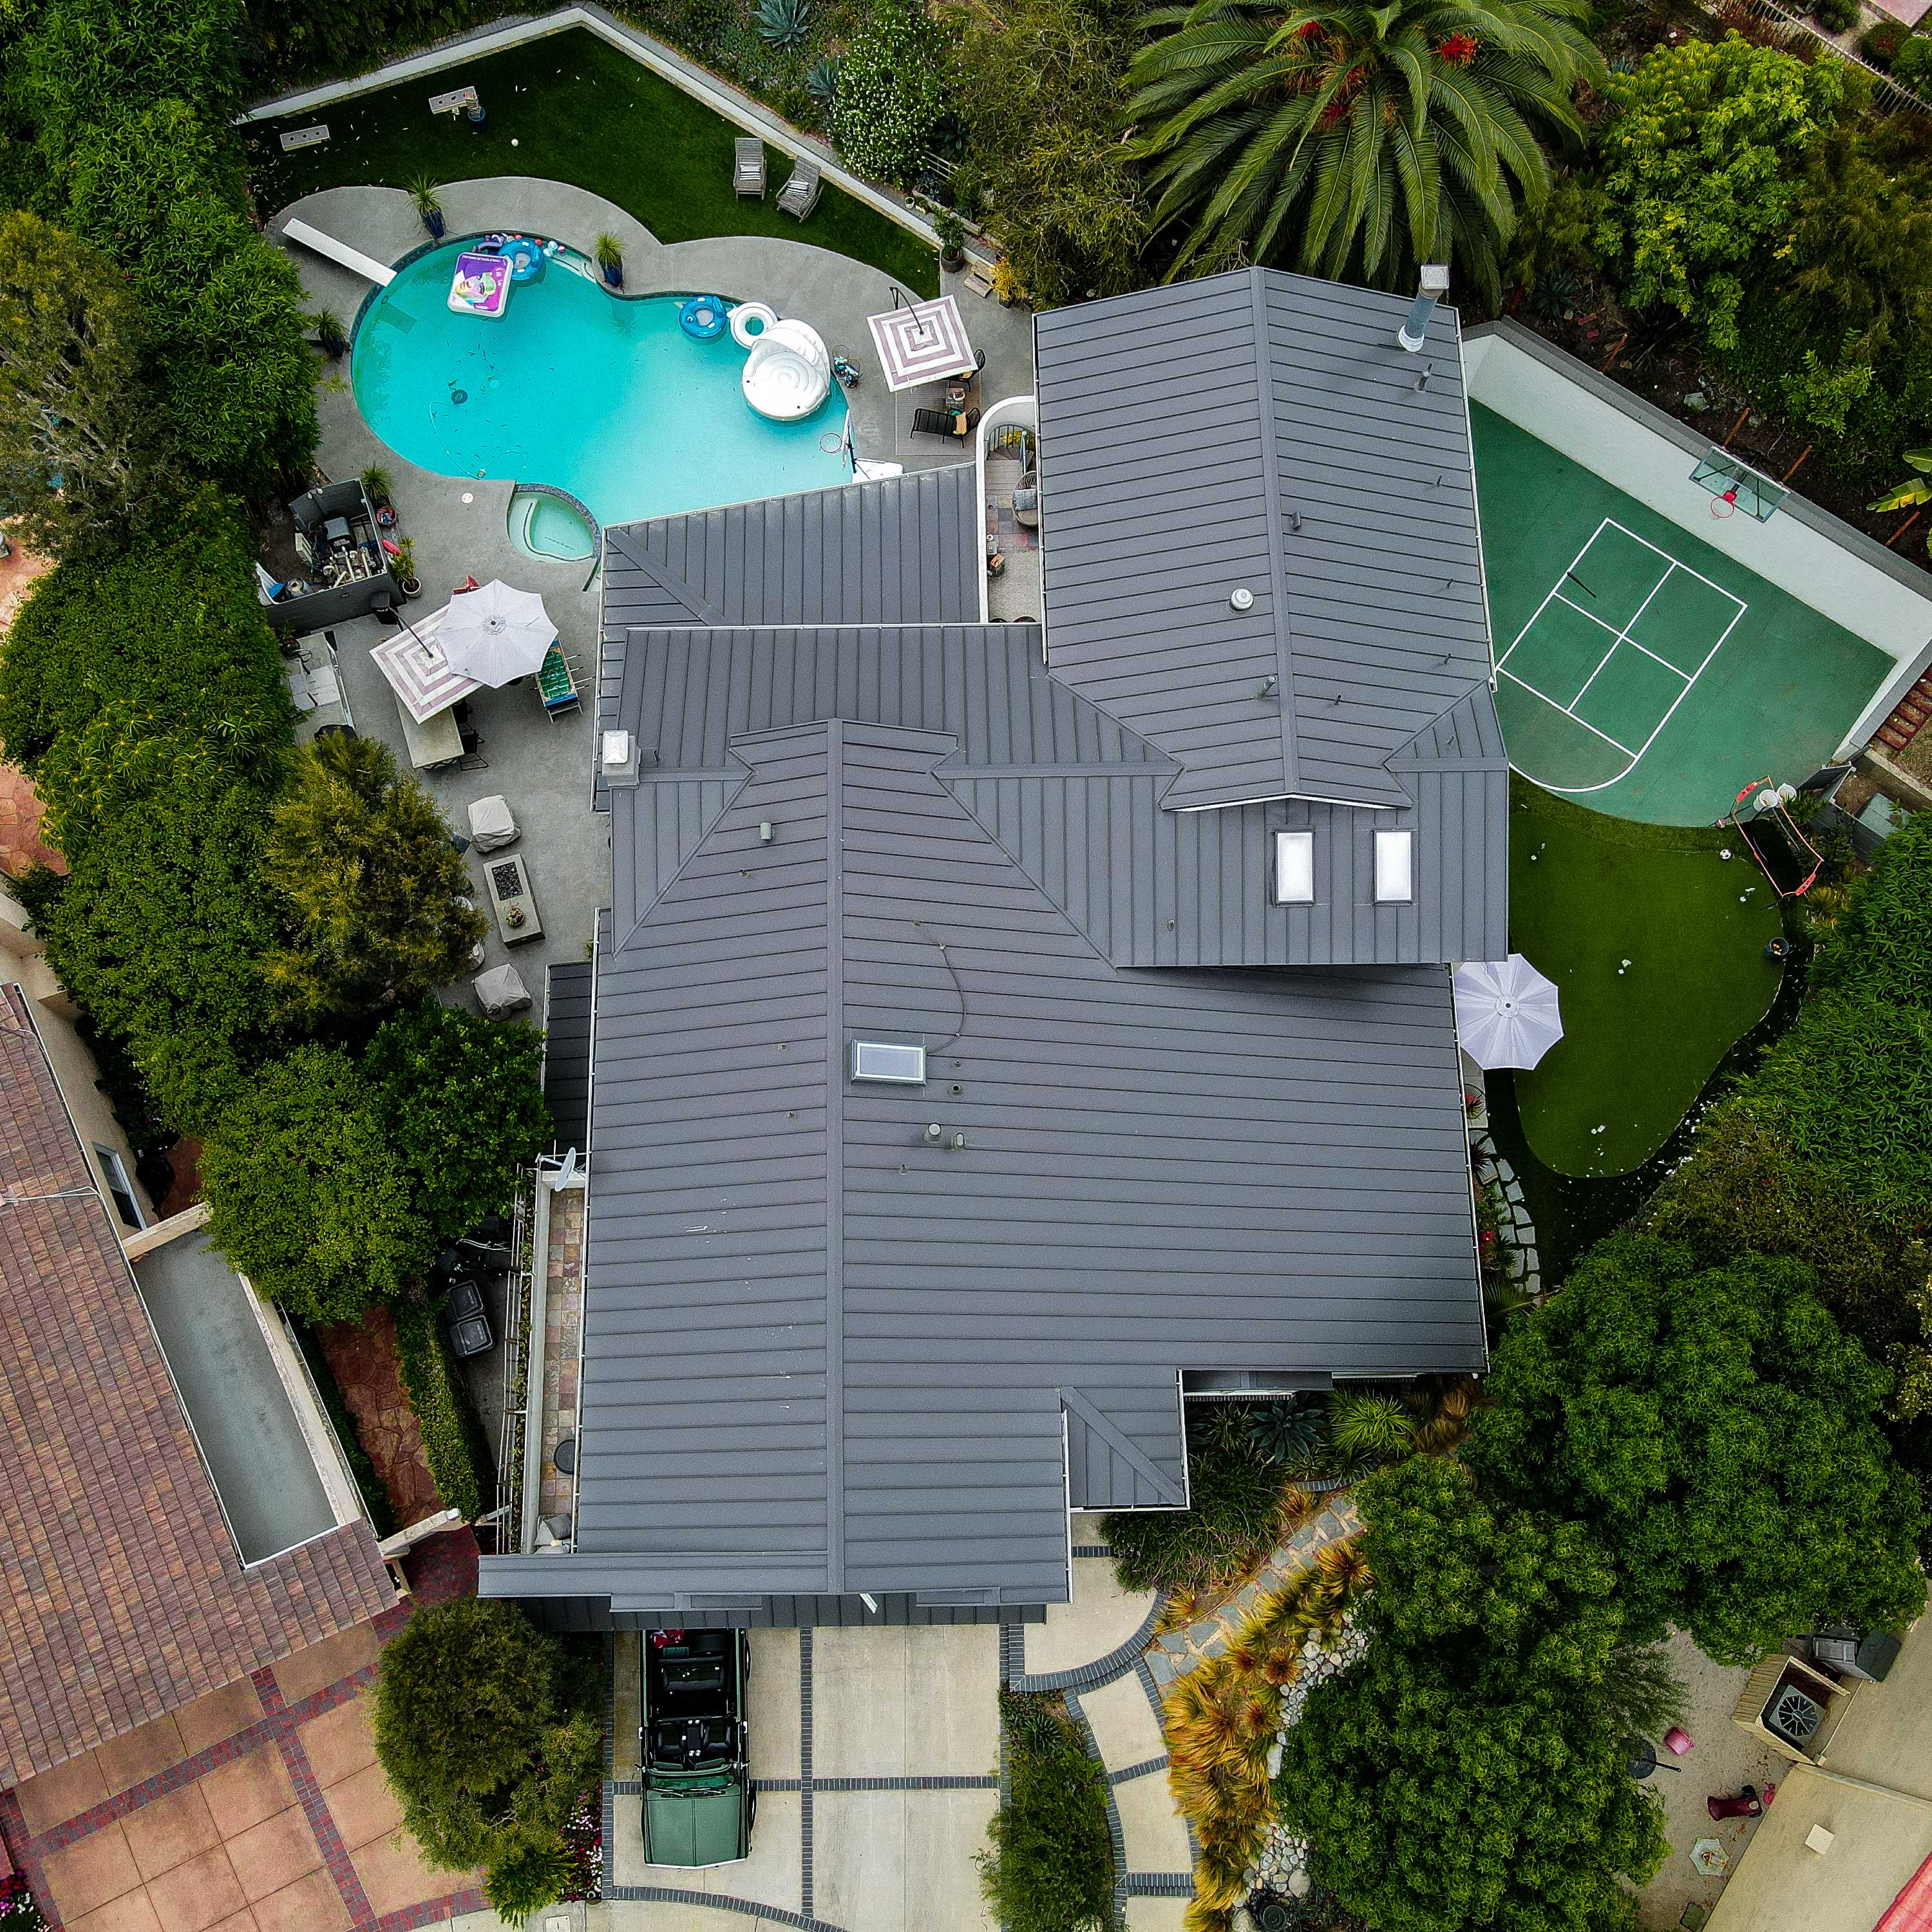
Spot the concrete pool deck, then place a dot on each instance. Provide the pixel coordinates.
(459, 527)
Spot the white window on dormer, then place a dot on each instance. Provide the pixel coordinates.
(1395, 867)
(1294, 867)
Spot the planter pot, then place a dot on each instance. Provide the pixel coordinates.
(433, 221)
(614, 274)
(953, 260)
(411, 588)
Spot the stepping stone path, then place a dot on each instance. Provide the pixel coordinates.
(1490, 1166)
(1179, 1651)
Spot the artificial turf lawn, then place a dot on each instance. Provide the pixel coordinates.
(579, 111)
(1586, 893)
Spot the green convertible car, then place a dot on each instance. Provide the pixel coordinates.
(698, 1799)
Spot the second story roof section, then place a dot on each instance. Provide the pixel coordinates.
(1260, 528)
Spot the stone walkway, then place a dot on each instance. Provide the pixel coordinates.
(361, 1356)
(1177, 1652)
(1523, 1263)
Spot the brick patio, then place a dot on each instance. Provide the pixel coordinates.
(259, 1808)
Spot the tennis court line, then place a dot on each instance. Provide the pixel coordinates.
(1672, 565)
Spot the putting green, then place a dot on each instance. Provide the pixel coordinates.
(1588, 892)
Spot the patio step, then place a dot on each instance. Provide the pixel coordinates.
(1913, 712)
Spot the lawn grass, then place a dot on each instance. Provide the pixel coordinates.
(1586, 893)
(581, 112)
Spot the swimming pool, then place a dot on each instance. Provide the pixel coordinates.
(607, 398)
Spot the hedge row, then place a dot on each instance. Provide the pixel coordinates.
(452, 1439)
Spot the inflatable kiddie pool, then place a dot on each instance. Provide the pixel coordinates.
(480, 286)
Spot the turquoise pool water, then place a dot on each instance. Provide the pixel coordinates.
(608, 399)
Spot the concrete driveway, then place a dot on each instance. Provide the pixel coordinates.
(875, 1752)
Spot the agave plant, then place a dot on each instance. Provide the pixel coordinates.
(1286, 1432)
(784, 23)
(1555, 295)
(821, 82)
(1369, 1428)
(1224, 1425)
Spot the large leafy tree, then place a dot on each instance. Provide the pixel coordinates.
(303, 1195)
(1347, 140)
(1041, 92)
(485, 1738)
(360, 859)
(1470, 1769)
(1701, 156)
(463, 1105)
(1717, 1430)
(78, 463)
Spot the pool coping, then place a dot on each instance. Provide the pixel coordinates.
(719, 95)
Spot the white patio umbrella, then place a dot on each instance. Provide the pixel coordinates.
(1506, 1012)
(495, 633)
(922, 343)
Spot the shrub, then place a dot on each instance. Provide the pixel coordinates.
(359, 856)
(452, 1440)
(889, 100)
(1366, 1427)
(1717, 1432)
(304, 1196)
(462, 1108)
(1835, 16)
(1426, 1774)
(1052, 1866)
(1700, 155)
(477, 1733)
(1912, 65)
(1880, 43)
(1239, 1510)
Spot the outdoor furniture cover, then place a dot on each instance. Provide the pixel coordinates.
(501, 991)
(799, 196)
(492, 823)
(748, 174)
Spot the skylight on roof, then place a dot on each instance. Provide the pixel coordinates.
(1395, 866)
(1294, 867)
(881, 1060)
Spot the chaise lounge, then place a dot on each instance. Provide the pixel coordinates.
(799, 196)
(747, 172)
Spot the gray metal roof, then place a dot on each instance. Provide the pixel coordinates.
(1264, 430)
(566, 1070)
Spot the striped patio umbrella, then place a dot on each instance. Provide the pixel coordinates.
(922, 343)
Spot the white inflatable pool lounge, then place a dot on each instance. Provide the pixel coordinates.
(788, 373)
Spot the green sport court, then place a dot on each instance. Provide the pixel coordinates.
(1639, 671)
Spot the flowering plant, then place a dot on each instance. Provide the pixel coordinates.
(18, 1912)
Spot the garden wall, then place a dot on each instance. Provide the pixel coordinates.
(1840, 572)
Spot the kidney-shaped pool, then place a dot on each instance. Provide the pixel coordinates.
(607, 398)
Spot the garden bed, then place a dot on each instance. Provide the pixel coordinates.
(574, 108)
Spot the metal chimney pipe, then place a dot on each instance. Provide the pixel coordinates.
(1434, 285)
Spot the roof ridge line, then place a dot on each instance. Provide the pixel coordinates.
(1164, 1485)
(697, 845)
(668, 580)
(835, 1156)
(1284, 645)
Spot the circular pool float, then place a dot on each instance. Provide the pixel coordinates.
(524, 255)
(750, 320)
(703, 318)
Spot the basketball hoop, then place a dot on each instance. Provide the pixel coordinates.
(1725, 505)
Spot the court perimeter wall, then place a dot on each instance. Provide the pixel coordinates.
(1840, 572)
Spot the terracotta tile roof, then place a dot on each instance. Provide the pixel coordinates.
(122, 1594)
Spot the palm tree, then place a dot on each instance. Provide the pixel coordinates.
(1346, 139)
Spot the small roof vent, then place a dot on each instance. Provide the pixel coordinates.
(882, 1060)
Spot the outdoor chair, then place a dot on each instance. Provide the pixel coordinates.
(799, 196)
(944, 422)
(748, 174)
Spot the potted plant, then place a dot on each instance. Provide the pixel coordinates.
(327, 327)
(952, 232)
(610, 252)
(423, 192)
(403, 564)
(1006, 283)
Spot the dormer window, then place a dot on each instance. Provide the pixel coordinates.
(1395, 867)
(1294, 868)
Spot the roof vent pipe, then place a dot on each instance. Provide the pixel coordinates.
(1434, 286)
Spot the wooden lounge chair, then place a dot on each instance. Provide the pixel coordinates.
(748, 173)
(799, 196)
